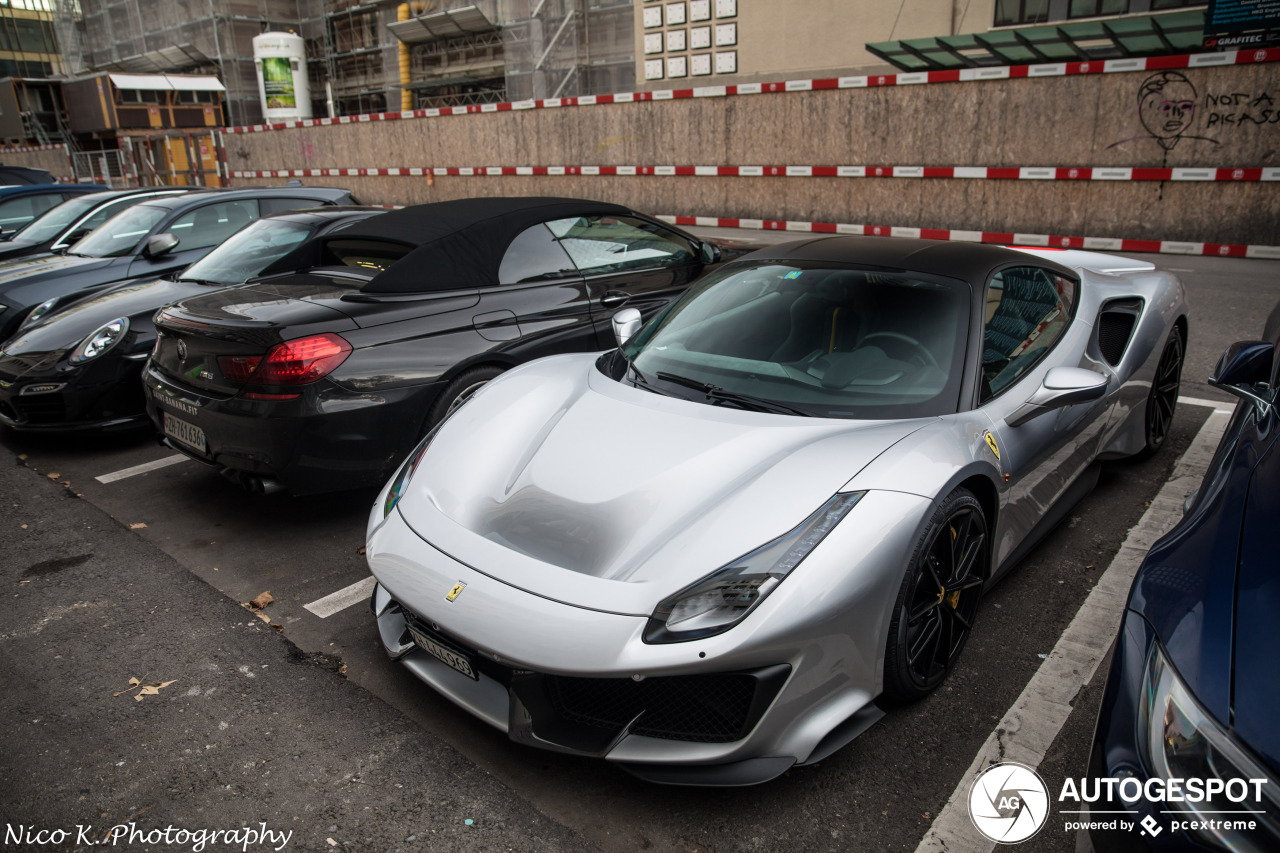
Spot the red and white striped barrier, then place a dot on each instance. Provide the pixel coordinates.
(1023, 173)
(1053, 241)
(1003, 72)
(19, 149)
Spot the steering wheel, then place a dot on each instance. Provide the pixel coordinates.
(920, 348)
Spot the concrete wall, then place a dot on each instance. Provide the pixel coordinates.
(53, 159)
(1085, 120)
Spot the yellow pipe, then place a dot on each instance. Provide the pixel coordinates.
(406, 94)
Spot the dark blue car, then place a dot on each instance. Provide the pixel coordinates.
(1193, 698)
(22, 203)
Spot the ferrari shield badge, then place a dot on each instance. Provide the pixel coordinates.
(991, 442)
(455, 591)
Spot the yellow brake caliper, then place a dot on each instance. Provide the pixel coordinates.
(953, 598)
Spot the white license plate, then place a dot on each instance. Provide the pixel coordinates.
(444, 654)
(189, 434)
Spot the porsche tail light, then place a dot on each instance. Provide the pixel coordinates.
(297, 362)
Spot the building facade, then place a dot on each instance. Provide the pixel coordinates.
(379, 56)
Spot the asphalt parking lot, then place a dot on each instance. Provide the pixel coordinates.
(884, 792)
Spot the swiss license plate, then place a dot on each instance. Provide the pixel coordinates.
(444, 654)
(189, 434)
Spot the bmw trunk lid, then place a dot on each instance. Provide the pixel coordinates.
(560, 481)
(244, 321)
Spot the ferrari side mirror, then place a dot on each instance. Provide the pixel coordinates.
(709, 253)
(1244, 370)
(1062, 386)
(625, 324)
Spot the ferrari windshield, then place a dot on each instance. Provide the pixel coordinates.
(119, 234)
(247, 253)
(811, 338)
(50, 224)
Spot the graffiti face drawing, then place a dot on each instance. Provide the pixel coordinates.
(1167, 109)
(1167, 106)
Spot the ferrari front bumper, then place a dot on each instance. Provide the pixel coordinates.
(738, 708)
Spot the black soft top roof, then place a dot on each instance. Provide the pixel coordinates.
(461, 241)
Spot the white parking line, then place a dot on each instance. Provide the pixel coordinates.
(143, 468)
(1218, 406)
(342, 599)
(1029, 727)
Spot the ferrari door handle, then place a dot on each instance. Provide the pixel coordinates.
(614, 299)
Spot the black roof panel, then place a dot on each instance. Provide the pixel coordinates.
(462, 241)
(969, 261)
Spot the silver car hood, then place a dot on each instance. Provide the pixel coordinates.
(565, 483)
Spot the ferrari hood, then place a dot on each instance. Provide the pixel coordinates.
(561, 481)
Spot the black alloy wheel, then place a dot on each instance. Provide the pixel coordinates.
(1163, 398)
(936, 605)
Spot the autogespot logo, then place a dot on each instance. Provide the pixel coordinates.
(1008, 803)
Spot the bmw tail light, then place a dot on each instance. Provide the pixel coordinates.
(238, 368)
(297, 362)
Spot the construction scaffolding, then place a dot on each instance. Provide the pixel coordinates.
(186, 36)
(567, 48)
(362, 56)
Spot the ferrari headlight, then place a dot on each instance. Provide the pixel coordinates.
(724, 598)
(101, 340)
(401, 482)
(1183, 742)
(37, 313)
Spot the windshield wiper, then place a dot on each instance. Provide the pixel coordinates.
(745, 401)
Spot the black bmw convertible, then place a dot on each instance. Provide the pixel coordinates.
(324, 379)
(78, 370)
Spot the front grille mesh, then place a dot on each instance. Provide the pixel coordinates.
(712, 708)
(41, 409)
(700, 708)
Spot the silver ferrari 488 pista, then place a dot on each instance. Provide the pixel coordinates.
(719, 550)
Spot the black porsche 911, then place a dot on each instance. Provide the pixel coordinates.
(79, 369)
(324, 379)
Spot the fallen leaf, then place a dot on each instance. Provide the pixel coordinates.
(277, 626)
(55, 475)
(24, 527)
(152, 689)
(22, 456)
(66, 483)
(262, 600)
(138, 525)
(264, 617)
(342, 670)
(360, 550)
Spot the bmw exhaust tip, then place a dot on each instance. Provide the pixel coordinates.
(252, 483)
(261, 485)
